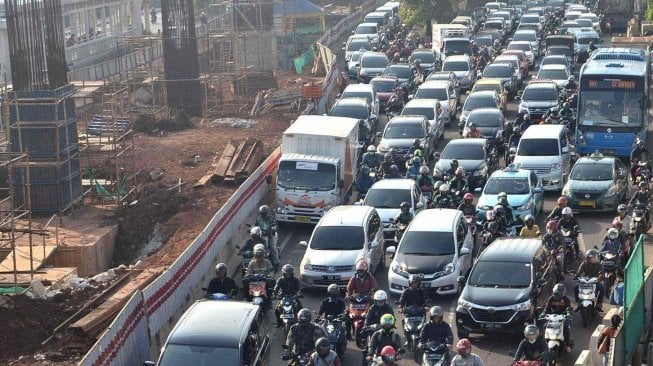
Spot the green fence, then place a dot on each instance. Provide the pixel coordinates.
(303, 60)
(635, 316)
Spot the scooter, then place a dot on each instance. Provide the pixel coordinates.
(610, 264)
(413, 323)
(588, 298)
(554, 335)
(358, 307)
(334, 331)
(258, 289)
(568, 240)
(294, 358)
(288, 308)
(639, 219)
(436, 355)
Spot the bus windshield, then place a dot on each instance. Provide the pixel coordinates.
(606, 101)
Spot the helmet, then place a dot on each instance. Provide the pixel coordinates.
(380, 297)
(502, 194)
(287, 269)
(592, 255)
(414, 279)
(388, 354)
(472, 125)
(591, 43)
(559, 291)
(639, 142)
(503, 200)
(418, 153)
(304, 316)
(613, 233)
(460, 172)
(490, 215)
(567, 211)
(371, 148)
(417, 142)
(565, 104)
(255, 231)
(221, 267)
(527, 117)
(259, 250)
(333, 290)
(493, 226)
(361, 265)
(417, 161)
(571, 78)
(264, 210)
(437, 185)
(387, 321)
(322, 346)
(500, 210)
(454, 162)
(468, 197)
(622, 208)
(424, 169)
(516, 129)
(562, 200)
(394, 169)
(552, 225)
(404, 205)
(464, 346)
(436, 311)
(444, 188)
(529, 217)
(365, 170)
(531, 332)
(387, 155)
(642, 184)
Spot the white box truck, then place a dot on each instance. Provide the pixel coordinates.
(317, 168)
(444, 31)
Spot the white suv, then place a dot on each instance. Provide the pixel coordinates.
(538, 98)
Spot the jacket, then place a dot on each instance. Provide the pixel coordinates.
(471, 360)
(376, 312)
(363, 286)
(332, 307)
(531, 351)
(287, 286)
(263, 268)
(381, 338)
(555, 306)
(224, 285)
(612, 246)
(301, 339)
(439, 333)
(332, 359)
(412, 297)
(587, 269)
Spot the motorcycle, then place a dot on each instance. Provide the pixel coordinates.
(293, 358)
(639, 219)
(257, 291)
(244, 263)
(471, 225)
(568, 241)
(288, 308)
(401, 228)
(436, 355)
(334, 330)
(358, 307)
(413, 323)
(269, 233)
(643, 173)
(609, 263)
(588, 298)
(554, 335)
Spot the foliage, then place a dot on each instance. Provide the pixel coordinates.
(649, 9)
(419, 12)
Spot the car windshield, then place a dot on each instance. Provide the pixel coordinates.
(592, 172)
(374, 62)
(402, 72)
(584, 23)
(181, 354)
(529, 19)
(538, 147)
(309, 176)
(455, 66)
(540, 94)
(564, 51)
(587, 40)
(431, 93)
(487, 87)
(530, 37)
(510, 185)
(383, 85)
(501, 274)
(497, 71)
(386, 198)
(484, 119)
(423, 57)
(357, 45)
(473, 102)
(403, 131)
(463, 152)
(483, 41)
(519, 46)
(555, 74)
(427, 112)
(356, 56)
(433, 243)
(358, 112)
(365, 29)
(338, 238)
(352, 94)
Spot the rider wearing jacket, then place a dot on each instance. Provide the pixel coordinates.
(532, 347)
(364, 182)
(639, 153)
(221, 283)
(503, 201)
(362, 282)
(303, 335)
(559, 303)
(371, 158)
(378, 309)
(425, 180)
(268, 224)
(467, 205)
(404, 217)
(642, 196)
(413, 295)
(436, 330)
(385, 336)
(324, 355)
(591, 267)
(530, 229)
(556, 213)
(458, 183)
(612, 244)
(333, 305)
(287, 285)
(568, 222)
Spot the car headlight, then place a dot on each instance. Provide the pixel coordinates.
(556, 166)
(611, 191)
(449, 268)
(363, 72)
(307, 265)
(478, 173)
(566, 191)
(437, 172)
(398, 269)
(383, 146)
(526, 305)
(465, 304)
(526, 206)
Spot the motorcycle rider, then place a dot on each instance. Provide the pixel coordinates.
(556, 213)
(385, 165)
(501, 218)
(475, 48)
(268, 225)
(323, 355)
(552, 240)
(513, 140)
(642, 196)
(333, 305)
(425, 180)
(613, 244)
(436, 330)
(413, 168)
(393, 173)
(287, 285)
(452, 169)
(491, 234)
(639, 153)
(571, 84)
(566, 112)
(524, 123)
(443, 199)
(371, 158)
(362, 283)
(467, 205)
(502, 199)
(417, 145)
(530, 229)
(592, 47)
(568, 222)
(404, 217)
(591, 267)
(255, 237)
(303, 335)
(623, 217)
(559, 303)
(472, 132)
(464, 356)
(378, 308)
(259, 265)
(364, 182)
(413, 295)
(385, 336)
(458, 183)
(221, 283)
(532, 347)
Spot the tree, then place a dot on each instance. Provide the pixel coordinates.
(414, 12)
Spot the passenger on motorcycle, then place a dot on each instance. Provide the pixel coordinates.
(303, 335)
(568, 222)
(379, 308)
(525, 122)
(559, 303)
(490, 217)
(287, 285)
(464, 355)
(443, 199)
(639, 153)
(472, 132)
(393, 173)
(261, 266)
(268, 224)
(255, 237)
(625, 219)
(333, 305)
(556, 213)
(642, 196)
(436, 330)
(404, 216)
(532, 347)
(475, 48)
(371, 158)
(221, 283)
(530, 230)
(566, 112)
(414, 166)
(491, 234)
(591, 267)
(384, 167)
(413, 295)
(458, 183)
(503, 201)
(323, 355)
(364, 182)
(552, 240)
(501, 218)
(452, 169)
(425, 180)
(417, 145)
(514, 138)
(467, 205)
(385, 336)
(612, 244)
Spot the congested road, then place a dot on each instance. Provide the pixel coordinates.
(494, 350)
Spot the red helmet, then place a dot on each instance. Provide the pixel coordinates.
(388, 354)
(464, 346)
(553, 225)
(562, 200)
(468, 196)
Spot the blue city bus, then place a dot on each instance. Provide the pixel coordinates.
(612, 102)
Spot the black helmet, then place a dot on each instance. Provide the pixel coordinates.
(454, 162)
(414, 279)
(559, 291)
(264, 210)
(287, 269)
(404, 205)
(322, 346)
(493, 226)
(333, 290)
(394, 170)
(304, 316)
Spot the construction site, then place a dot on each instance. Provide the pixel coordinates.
(104, 182)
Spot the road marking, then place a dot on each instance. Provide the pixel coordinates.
(284, 242)
(452, 312)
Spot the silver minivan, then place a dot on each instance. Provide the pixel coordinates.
(545, 150)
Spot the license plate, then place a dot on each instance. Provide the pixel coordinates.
(415, 319)
(358, 306)
(434, 356)
(287, 316)
(426, 284)
(491, 325)
(302, 219)
(587, 203)
(331, 278)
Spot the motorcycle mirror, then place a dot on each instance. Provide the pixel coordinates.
(461, 279)
(303, 243)
(236, 246)
(391, 250)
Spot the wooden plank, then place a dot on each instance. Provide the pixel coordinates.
(225, 160)
(240, 158)
(23, 260)
(204, 180)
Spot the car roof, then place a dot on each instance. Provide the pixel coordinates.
(503, 65)
(406, 119)
(435, 219)
(352, 102)
(542, 131)
(489, 81)
(369, 24)
(403, 66)
(541, 84)
(519, 42)
(511, 250)
(374, 54)
(421, 103)
(385, 78)
(529, 31)
(466, 141)
(345, 215)
(553, 67)
(482, 94)
(359, 88)
(511, 171)
(495, 111)
(194, 329)
(556, 57)
(362, 37)
(394, 184)
(434, 84)
(457, 58)
(376, 14)
(593, 159)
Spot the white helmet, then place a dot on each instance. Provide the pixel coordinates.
(567, 211)
(380, 295)
(444, 188)
(255, 231)
(371, 148)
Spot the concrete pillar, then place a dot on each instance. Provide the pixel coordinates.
(136, 6)
(596, 358)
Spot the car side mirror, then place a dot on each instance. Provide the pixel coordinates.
(303, 243)
(341, 184)
(478, 190)
(538, 190)
(378, 134)
(391, 250)
(464, 251)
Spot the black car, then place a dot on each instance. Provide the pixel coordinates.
(510, 280)
(408, 77)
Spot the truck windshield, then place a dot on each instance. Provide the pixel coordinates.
(338, 238)
(386, 198)
(181, 354)
(500, 274)
(306, 175)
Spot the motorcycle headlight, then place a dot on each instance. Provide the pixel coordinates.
(449, 268)
(526, 305)
(611, 191)
(465, 304)
(525, 207)
(556, 166)
(398, 269)
(566, 191)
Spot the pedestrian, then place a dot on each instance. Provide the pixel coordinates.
(607, 333)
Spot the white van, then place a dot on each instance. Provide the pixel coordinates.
(545, 150)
